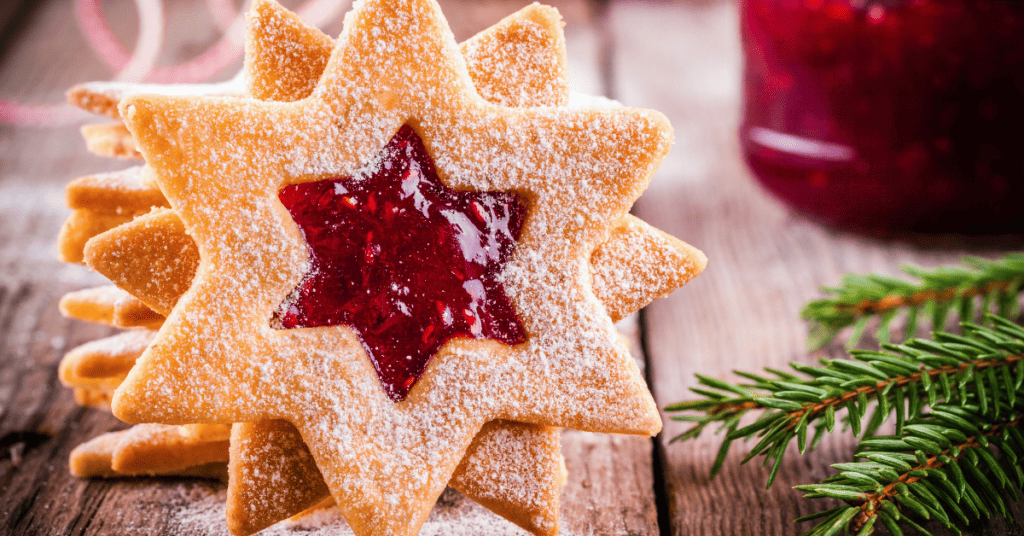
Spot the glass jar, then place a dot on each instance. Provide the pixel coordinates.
(888, 116)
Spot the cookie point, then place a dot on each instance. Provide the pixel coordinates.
(260, 8)
(542, 13)
(238, 525)
(649, 420)
(122, 406)
(662, 125)
(127, 109)
(74, 94)
(651, 424)
(700, 261)
(662, 129)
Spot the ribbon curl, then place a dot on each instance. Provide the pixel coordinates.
(139, 65)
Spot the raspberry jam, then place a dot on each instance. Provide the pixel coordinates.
(404, 261)
(888, 116)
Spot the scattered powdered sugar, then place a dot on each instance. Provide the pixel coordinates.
(641, 263)
(582, 100)
(515, 465)
(453, 515)
(120, 90)
(529, 66)
(128, 343)
(151, 257)
(102, 97)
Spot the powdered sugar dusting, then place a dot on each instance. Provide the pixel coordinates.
(454, 515)
(118, 192)
(102, 98)
(284, 59)
(640, 264)
(528, 68)
(218, 360)
(151, 257)
(488, 471)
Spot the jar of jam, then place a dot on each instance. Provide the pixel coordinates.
(888, 116)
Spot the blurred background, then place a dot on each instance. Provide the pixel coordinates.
(881, 117)
(813, 138)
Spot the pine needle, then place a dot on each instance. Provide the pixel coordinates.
(969, 291)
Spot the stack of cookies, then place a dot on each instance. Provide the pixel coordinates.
(378, 266)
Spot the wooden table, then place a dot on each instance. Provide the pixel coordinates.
(682, 58)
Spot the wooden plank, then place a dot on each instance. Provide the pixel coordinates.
(611, 477)
(764, 263)
(39, 422)
(609, 490)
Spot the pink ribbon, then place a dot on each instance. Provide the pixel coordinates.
(140, 64)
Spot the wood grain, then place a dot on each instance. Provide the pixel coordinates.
(764, 264)
(39, 422)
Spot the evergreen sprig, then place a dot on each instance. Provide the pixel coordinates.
(956, 464)
(978, 285)
(900, 379)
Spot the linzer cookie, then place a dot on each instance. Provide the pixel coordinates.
(517, 200)
(281, 51)
(508, 32)
(533, 509)
(536, 508)
(416, 135)
(509, 458)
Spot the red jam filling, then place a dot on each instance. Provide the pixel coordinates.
(888, 116)
(404, 261)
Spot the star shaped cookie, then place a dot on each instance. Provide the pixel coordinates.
(386, 462)
(155, 259)
(149, 450)
(527, 454)
(284, 58)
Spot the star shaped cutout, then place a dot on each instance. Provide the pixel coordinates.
(403, 260)
(217, 360)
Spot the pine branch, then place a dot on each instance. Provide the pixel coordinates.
(942, 467)
(979, 285)
(900, 379)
